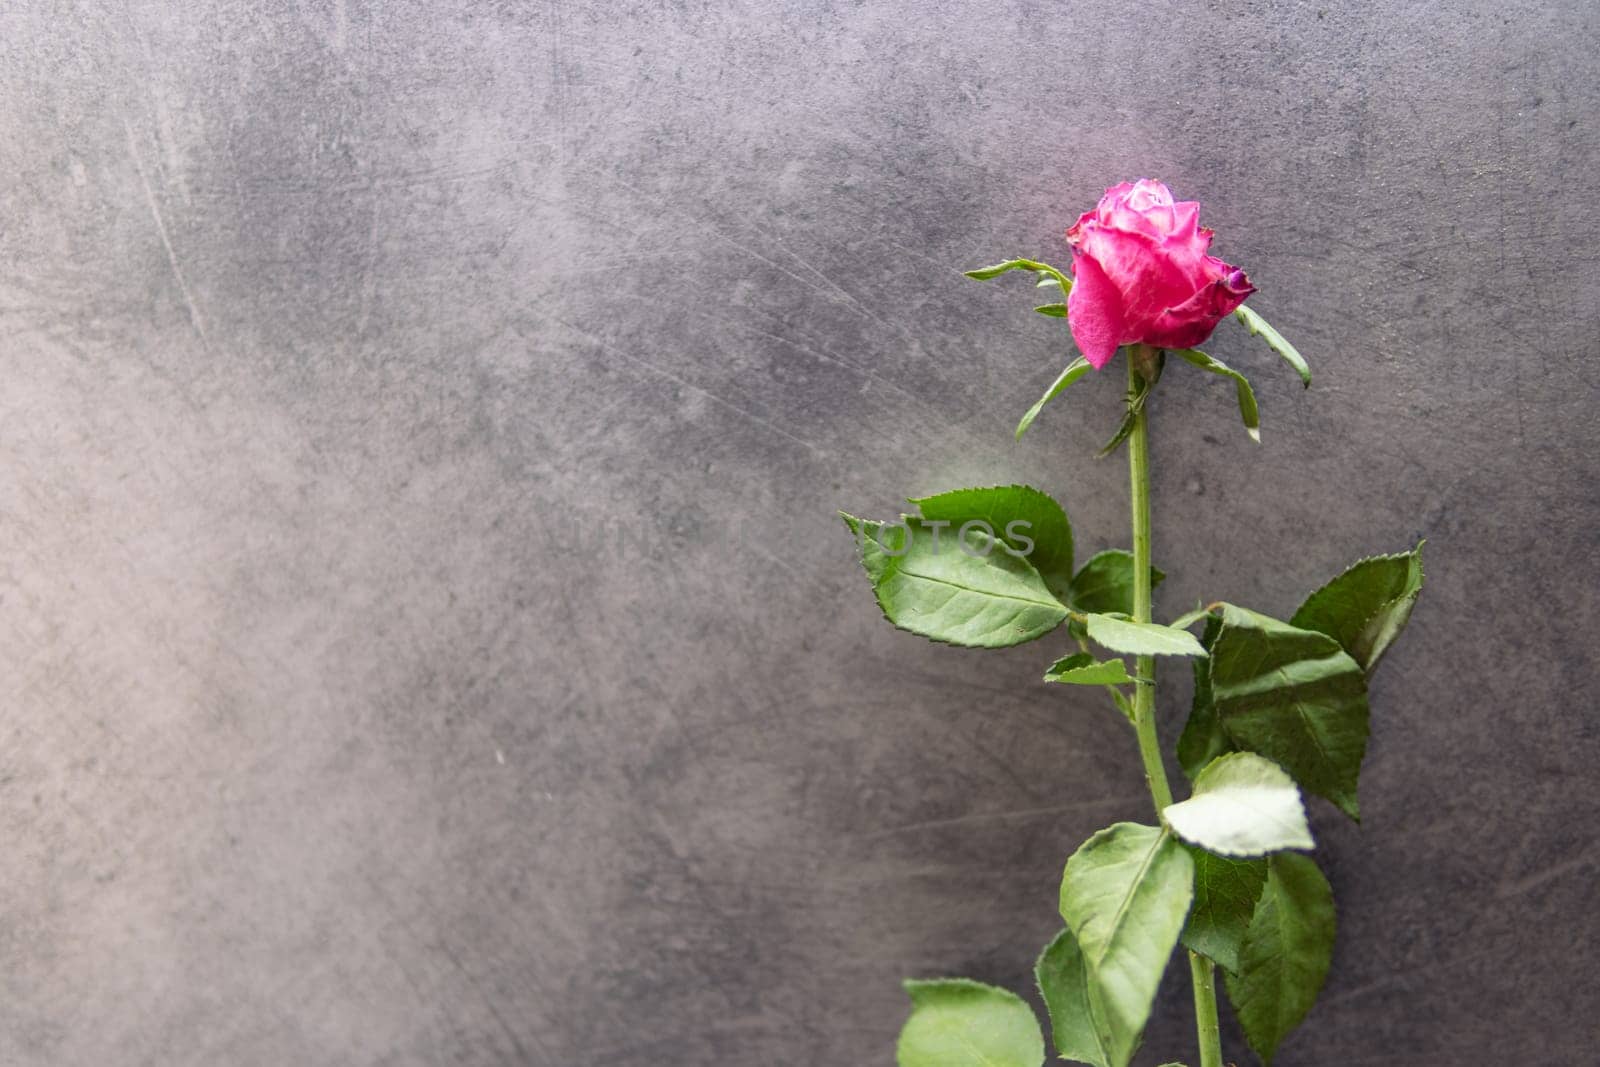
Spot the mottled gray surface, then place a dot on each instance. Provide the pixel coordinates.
(426, 633)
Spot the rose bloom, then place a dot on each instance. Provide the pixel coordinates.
(1141, 274)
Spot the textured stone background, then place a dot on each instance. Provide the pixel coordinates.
(426, 635)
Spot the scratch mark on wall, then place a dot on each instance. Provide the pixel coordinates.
(195, 318)
(989, 816)
(1516, 887)
(708, 394)
(1399, 976)
(488, 1003)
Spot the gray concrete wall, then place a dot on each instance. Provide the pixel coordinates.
(338, 332)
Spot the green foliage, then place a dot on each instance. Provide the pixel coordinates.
(983, 274)
(1258, 327)
(1241, 384)
(1135, 404)
(971, 590)
(1075, 370)
(1078, 1022)
(1286, 952)
(1279, 707)
(1295, 697)
(1203, 738)
(1122, 703)
(1080, 668)
(1367, 606)
(956, 1022)
(1124, 896)
(1045, 541)
(1140, 638)
(1225, 895)
(1104, 584)
(1243, 805)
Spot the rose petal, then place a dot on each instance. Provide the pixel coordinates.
(1075, 232)
(1114, 198)
(1094, 312)
(1148, 193)
(1191, 322)
(1187, 216)
(1150, 277)
(1145, 273)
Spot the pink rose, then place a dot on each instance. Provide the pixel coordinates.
(1141, 274)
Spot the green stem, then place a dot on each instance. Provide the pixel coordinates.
(1201, 969)
(1203, 973)
(1144, 694)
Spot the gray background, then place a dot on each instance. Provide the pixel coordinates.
(425, 632)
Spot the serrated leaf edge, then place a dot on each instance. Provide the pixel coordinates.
(878, 600)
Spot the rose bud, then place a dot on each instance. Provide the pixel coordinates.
(1141, 274)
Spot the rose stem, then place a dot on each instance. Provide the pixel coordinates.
(1204, 975)
(1144, 693)
(1201, 970)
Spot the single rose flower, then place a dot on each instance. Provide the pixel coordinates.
(1141, 274)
